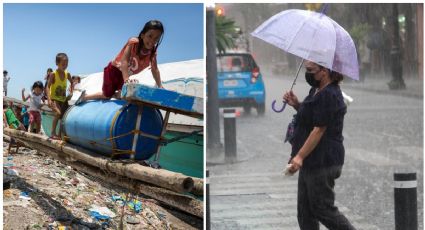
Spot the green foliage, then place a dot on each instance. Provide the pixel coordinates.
(226, 33)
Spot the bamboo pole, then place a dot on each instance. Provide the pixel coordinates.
(163, 178)
(198, 187)
(173, 199)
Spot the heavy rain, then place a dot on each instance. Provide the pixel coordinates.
(382, 129)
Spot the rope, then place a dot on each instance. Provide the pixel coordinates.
(165, 142)
(117, 152)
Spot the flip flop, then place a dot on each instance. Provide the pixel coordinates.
(55, 137)
(132, 81)
(80, 98)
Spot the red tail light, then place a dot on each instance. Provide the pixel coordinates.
(255, 74)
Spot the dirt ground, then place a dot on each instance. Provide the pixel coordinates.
(47, 194)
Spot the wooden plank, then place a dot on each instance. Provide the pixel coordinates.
(164, 99)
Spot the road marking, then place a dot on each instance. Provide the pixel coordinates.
(374, 135)
(283, 196)
(251, 213)
(251, 180)
(255, 223)
(370, 157)
(247, 175)
(364, 226)
(241, 180)
(385, 107)
(415, 152)
(254, 191)
(392, 135)
(261, 205)
(262, 184)
(274, 138)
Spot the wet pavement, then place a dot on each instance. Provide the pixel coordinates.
(383, 133)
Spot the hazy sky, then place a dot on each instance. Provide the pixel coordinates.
(91, 35)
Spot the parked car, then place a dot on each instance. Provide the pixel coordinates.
(240, 83)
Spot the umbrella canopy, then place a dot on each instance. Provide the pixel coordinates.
(312, 36)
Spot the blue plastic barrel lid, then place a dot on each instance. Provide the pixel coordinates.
(151, 123)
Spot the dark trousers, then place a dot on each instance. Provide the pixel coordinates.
(316, 198)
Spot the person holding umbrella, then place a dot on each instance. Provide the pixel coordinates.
(328, 53)
(317, 148)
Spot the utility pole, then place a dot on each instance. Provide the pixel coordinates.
(397, 81)
(213, 122)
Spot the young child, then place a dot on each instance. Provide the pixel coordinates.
(10, 121)
(25, 117)
(76, 79)
(18, 113)
(46, 79)
(9, 118)
(75, 86)
(36, 97)
(138, 54)
(56, 96)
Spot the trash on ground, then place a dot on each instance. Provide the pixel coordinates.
(25, 196)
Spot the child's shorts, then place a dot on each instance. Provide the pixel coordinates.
(112, 80)
(35, 117)
(62, 106)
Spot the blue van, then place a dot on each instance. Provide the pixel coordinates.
(240, 83)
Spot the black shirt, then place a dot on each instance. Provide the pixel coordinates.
(326, 108)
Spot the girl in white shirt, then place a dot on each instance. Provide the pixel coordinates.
(36, 97)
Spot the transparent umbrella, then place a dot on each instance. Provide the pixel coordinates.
(312, 36)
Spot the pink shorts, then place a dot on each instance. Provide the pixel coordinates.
(35, 117)
(112, 80)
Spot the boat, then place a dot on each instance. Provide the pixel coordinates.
(181, 148)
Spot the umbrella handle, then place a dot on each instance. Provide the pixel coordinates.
(280, 110)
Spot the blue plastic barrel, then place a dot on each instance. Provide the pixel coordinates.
(103, 126)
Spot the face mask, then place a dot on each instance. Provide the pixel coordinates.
(309, 77)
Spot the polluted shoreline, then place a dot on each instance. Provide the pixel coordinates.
(46, 194)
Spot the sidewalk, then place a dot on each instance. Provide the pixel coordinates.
(414, 86)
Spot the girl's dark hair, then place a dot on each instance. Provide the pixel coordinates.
(76, 77)
(336, 77)
(37, 84)
(151, 25)
(333, 75)
(50, 69)
(60, 56)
